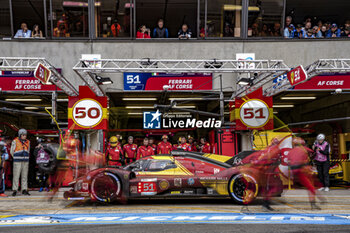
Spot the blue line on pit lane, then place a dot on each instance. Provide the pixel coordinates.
(168, 218)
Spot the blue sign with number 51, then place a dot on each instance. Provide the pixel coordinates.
(135, 81)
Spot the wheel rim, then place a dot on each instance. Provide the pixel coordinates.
(243, 188)
(105, 187)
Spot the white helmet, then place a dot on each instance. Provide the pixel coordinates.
(321, 136)
(22, 132)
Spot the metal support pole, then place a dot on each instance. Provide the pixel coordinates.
(134, 9)
(131, 8)
(45, 18)
(54, 107)
(91, 11)
(206, 18)
(51, 19)
(244, 19)
(198, 17)
(222, 106)
(11, 18)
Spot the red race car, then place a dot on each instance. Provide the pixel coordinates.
(180, 174)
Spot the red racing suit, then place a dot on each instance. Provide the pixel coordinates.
(193, 147)
(144, 151)
(130, 151)
(205, 148)
(185, 146)
(298, 160)
(164, 148)
(154, 147)
(115, 156)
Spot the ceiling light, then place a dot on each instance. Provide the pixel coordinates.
(23, 100)
(48, 107)
(186, 98)
(275, 112)
(298, 98)
(139, 107)
(62, 100)
(135, 113)
(139, 99)
(184, 106)
(31, 108)
(283, 106)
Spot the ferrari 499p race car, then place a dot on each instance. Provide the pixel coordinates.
(181, 173)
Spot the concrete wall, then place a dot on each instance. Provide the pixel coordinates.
(65, 54)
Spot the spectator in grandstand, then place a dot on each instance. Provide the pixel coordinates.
(160, 31)
(143, 32)
(323, 31)
(276, 31)
(346, 32)
(37, 33)
(184, 32)
(24, 32)
(319, 24)
(290, 32)
(310, 34)
(255, 29)
(115, 28)
(308, 26)
(61, 30)
(228, 31)
(333, 32)
(286, 32)
(299, 32)
(316, 31)
(265, 31)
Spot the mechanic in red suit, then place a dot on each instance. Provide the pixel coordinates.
(114, 153)
(267, 162)
(298, 160)
(192, 144)
(154, 146)
(144, 150)
(184, 145)
(164, 147)
(204, 147)
(130, 150)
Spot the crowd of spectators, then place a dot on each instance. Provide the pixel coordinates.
(306, 30)
(319, 30)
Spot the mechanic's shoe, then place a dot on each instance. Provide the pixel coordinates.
(326, 189)
(3, 195)
(245, 209)
(14, 193)
(321, 189)
(314, 206)
(25, 192)
(266, 206)
(41, 189)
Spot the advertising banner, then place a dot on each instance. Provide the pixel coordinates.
(87, 111)
(161, 81)
(297, 75)
(326, 82)
(253, 112)
(42, 73)
(23, 81)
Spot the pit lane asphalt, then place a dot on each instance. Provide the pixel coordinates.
(177, 228)
(292, 201)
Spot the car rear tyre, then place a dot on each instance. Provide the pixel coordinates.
(243, 188)
(106, 187)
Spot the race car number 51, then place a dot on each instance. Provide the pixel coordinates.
(87, 113)
(254, 113)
